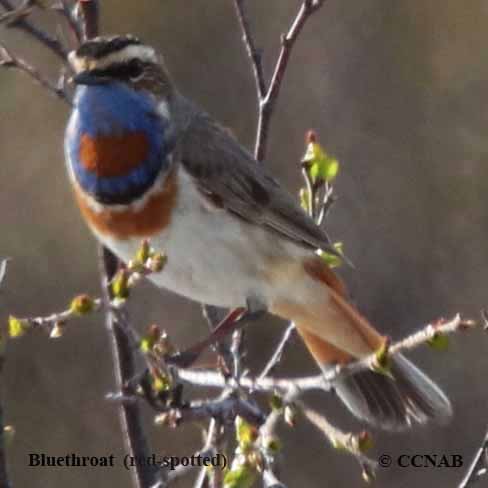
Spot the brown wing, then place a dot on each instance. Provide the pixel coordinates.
(222, 168)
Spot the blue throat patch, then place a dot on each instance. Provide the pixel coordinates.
(116, 143)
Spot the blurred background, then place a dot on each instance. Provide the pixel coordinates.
(396, 91)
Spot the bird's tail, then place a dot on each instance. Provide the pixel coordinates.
(391, 403)
(335, 333)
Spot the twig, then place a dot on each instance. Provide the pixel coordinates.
(236, 349)
(213, 436)
(89, 12)
(323, 382)
(214, 317)
(267, 104)
(351, 443)
(181, 470)
(55, 322)
(479, 467)
(20, 12)
(3, 269)
(232, 320)
(4, 478)
(224, 409)
(212, 379)
(8, 60)
(136, 445)
(270, 480)
(484, 318)
(216, 478)
(40, 35)
(278, 353)
(328, 200)
(65, 10)
(267, 96)
(201, 479)
(252, 51)
(429, 331)
(423, 336)
(267, 431)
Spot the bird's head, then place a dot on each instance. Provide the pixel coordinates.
(120, 59)
(121, 131)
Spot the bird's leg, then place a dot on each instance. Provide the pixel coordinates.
(234, 320)
(187, 357)
(255, 309)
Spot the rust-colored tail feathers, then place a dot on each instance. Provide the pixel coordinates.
(335, 332)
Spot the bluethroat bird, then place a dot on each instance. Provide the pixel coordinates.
(147, 163)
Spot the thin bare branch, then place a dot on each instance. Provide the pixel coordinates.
(270, 480)
(278, 353)
(267, 432)
(3, 269)
(64, 9)
(479, 466)
(231, 321)
(267, 96)
(8, 60)
(423, 336)
(22, 23)
(144, 476)
(224, 409)
(253, 52)
(20, 12)
(214, 316)
(215, 442)
(267, 104)
(54, 322)
(211, 447)
(89, 13)
(181, 470)
(4, 478)
(328, 201)
(289, 386)
(354, 444)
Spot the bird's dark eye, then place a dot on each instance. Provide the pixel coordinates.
(131, 70)
(135, 68)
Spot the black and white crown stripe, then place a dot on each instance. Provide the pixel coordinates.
(101, 53)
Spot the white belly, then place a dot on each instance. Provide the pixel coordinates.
(215, 257)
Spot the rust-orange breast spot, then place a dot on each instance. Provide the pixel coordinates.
(114, 155)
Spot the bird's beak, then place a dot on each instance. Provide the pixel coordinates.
(89, 78)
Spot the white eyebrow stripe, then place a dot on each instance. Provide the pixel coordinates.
(144, 53)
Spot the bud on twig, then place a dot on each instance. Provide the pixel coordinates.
(17, 327)
(319, 165)
(290, 415)
(156, 262)
(82, 305)
(382, 361)
(57, 330)
(120, 285)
